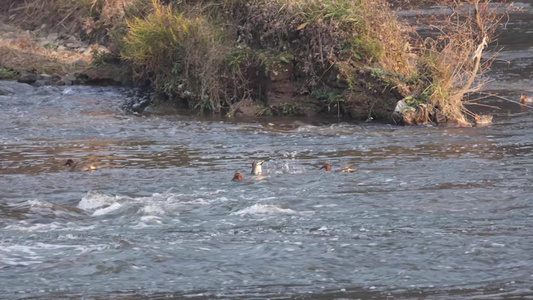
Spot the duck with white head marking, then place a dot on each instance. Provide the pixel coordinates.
(257, 167)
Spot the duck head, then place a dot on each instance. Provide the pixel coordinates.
(69, 163)
(237, 176)
(523, 99)
(326, 166)
(257, 167)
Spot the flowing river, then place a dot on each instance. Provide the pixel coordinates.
(439, 213)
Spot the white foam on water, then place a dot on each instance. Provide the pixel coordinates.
(158, 204)
(26, 255)
(153, 209)
(34, 228)
(267, 209)
(115, 207)
(68, 91)
(24, 226)
(96, 199)
(39, 203)
(148, 221)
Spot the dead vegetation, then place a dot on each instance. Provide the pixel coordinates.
(342, 57)
(451, 60)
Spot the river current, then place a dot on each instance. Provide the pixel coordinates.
(430, 212)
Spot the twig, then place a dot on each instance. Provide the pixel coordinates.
(506, 99)
(485, 105)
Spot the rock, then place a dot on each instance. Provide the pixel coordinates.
(52, 37)
(55, 77)
(80, 63)
(246, 107)
(45, 79)
(39, 83)
(45, 76)
(69, 79)
(397, 115)
(74, 45)
(13, 87)
(103, 76)
(27, 77)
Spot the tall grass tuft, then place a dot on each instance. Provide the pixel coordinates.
(181, 55)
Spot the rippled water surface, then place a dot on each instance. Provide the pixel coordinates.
(430, 212)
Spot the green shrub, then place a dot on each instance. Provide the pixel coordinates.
(6, 74)
(182, 55)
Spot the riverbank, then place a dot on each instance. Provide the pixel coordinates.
(40, 58)
(234, 58)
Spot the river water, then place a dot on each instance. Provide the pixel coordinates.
(439, 213)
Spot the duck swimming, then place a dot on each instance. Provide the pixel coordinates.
(257, 167)
(345, 169)
(524, 99)
(237, 176)
(78, 167)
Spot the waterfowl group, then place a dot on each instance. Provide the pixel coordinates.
(345, 169)
(257, 171)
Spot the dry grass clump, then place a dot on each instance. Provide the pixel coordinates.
(182, 55)
(23, 54)
(327, 32)
(451, 65)
(94, 20)
(211, 53)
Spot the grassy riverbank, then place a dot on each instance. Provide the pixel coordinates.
(265, 57)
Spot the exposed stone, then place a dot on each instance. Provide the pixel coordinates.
(13, 87)
(246, 107)
(74, 45)
(52, 37)
(27, 77)
(69, 79)
(45, 79)
(103, 76)
(39, 82)
(80, 63)
(55, 77)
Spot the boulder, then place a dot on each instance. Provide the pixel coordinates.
(13, 87)
(27, 77)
